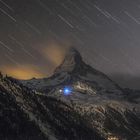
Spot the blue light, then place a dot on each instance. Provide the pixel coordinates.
(67, 91)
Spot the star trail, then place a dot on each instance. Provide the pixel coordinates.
(105, 32)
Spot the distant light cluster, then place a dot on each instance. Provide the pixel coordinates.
(66, 91)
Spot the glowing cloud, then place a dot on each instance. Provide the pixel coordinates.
(53, 51)
(54, 54)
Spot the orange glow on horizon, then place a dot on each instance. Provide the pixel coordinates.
(24, 73)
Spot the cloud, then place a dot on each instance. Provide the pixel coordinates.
(54, 52)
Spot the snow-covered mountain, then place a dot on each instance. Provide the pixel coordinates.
(73, 70)
(96, 108)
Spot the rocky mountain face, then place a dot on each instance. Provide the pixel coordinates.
(95, 109)
(26, 115)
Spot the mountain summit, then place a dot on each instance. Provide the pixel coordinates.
(71, 63)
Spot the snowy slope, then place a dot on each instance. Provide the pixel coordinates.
(25, 115)
(55, 116)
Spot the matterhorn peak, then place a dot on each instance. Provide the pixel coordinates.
(71, 61)
(74, 69)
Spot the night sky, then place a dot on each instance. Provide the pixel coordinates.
(106, 32)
